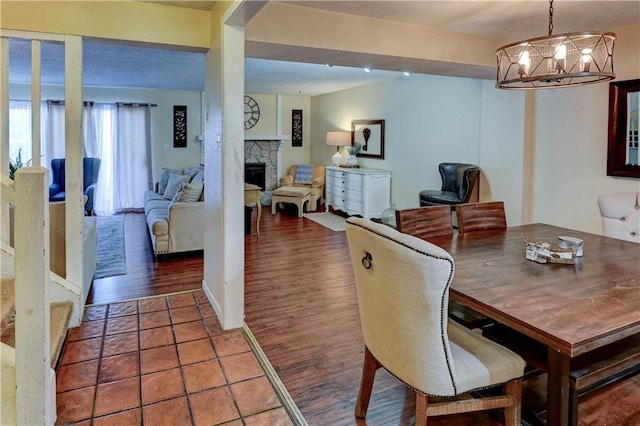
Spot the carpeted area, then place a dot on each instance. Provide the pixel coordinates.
(328, 220)
(111, 258)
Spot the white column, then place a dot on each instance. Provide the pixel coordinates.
(74, 209)
(529, 164)
(232, 304)
(279, 160)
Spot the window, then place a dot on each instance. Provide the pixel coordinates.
(118, 134)
(20, 130)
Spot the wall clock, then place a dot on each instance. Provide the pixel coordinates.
(251, 112)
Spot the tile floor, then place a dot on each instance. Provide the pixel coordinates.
(162, 361)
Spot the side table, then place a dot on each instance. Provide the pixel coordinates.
(252, 195)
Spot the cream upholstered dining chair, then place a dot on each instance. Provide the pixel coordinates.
(474, 217)
(620, 213)
(403, 292)
(435, 221)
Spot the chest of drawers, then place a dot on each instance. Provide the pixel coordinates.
(364, 192)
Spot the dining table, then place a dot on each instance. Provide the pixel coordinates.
(572, 309)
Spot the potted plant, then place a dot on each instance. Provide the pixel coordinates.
(16, 165)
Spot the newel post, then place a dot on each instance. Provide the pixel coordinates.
(34, 397)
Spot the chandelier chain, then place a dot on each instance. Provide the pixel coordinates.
(550, 17)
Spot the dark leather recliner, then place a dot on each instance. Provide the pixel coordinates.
(90, 170)
(458, 183)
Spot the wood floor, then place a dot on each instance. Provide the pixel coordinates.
(173, 273)
(300, 303)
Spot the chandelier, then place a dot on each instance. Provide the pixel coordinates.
(556, 60)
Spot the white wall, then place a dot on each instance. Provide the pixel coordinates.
(161, 118)
(502, 149)
(274, 121)
(571, 145)
(428, 120)
(267, 123)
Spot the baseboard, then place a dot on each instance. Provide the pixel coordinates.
(286, 400)
(212, 300)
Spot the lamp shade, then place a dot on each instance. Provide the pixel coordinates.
(338, 138)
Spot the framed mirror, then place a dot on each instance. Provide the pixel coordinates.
(623, 158)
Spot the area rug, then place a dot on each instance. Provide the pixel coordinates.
(110, 255)
(328, 220)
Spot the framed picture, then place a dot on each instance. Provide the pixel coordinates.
(296, 127)
(369, 133)
(179, 126)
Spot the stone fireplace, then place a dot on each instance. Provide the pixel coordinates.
(267, 150)
(255, 173)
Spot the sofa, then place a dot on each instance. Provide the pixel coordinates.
(174, 211)
(313, 180)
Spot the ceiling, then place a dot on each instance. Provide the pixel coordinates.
(112, 65)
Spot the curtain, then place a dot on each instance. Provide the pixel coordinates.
(53, 135)
(132, 171)
(20, 130)
(99, 141)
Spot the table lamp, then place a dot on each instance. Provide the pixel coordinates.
(338, 139)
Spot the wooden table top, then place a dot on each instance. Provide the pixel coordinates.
(572, 308)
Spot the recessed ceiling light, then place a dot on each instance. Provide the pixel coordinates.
(329, 65)
(407, 73)
(367, 69)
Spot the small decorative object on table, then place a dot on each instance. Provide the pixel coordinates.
(352, 160)
(572, 242)
(544, 252)
(388, 217)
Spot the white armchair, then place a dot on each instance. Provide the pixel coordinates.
(620, 213)
(315, 184)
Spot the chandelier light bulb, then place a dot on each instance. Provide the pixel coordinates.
(561, 52)
(585, 59)
(560, 56)
(525, 63)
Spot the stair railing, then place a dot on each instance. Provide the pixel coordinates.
(35, 380)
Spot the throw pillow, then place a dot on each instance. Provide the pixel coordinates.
(193, 170)
(188, 193)
(199, 177)
(164, 178)
(304, 173)
(174, 184)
